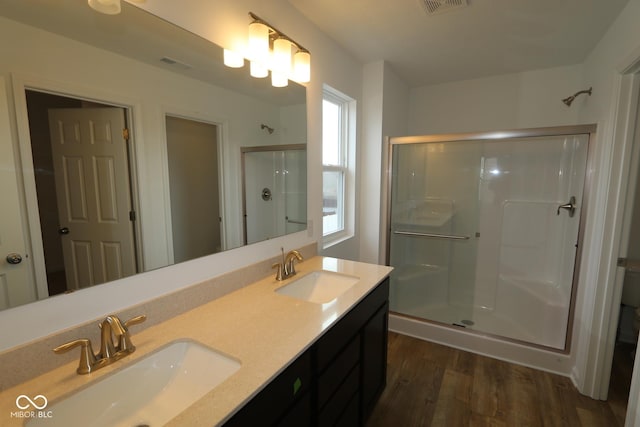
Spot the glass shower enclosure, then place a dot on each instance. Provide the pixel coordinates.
(484, 230)
(274, 187)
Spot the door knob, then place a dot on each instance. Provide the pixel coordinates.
(14, 258)
(63, 230)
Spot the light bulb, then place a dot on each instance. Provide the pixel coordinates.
(258, 42)
(282, 56)
(258, 69)
(109, 7)
(233, 59)
(279, 79)
(302, 66)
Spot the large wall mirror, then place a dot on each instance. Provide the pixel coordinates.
(121, 149)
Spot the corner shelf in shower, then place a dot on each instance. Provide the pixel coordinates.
(428, 213)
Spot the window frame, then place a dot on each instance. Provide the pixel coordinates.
(346, 168)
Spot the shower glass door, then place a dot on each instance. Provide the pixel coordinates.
(274, 182)
(483, 233)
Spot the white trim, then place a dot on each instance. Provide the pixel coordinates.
(630, 93)
(348, 165)
(600, 310)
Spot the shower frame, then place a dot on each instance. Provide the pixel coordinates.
(589, 129)
(259, 149)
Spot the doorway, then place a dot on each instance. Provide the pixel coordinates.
(194, 188)
(628, 279)
(81, 159)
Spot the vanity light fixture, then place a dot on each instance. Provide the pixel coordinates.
(270, 49)
(109, 7)
(233, 59)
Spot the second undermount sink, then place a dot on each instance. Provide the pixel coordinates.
(150, 391)
(319, 286)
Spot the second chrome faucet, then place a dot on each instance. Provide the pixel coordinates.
(286, 268)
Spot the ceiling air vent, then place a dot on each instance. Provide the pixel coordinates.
(176, 63)
(433, 7)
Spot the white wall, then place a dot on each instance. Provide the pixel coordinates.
(385, 110)
(522, 100)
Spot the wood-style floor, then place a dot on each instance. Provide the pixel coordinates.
(434, 385)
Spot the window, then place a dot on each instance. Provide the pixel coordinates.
(337, 166)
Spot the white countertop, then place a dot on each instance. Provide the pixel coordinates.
(265, 331)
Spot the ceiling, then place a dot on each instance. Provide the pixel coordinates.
(485, 38)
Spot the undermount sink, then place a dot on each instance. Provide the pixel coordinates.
(150, 391)
(319, 286)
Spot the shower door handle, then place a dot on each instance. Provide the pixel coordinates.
(571, 207)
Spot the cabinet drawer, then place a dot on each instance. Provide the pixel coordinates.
(332, 342)
(337, 371)
(351, 415)
(299, 415)
(277, 397)
(374, 364)
(338, 403)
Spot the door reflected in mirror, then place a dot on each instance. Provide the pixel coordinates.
(196, 222)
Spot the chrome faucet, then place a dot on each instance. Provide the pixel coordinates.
(286, 268)
(110, 351)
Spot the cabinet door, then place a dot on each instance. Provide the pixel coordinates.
(278, 397)
(374, 359)
(299, 415)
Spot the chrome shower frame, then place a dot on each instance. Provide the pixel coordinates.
(589, 130)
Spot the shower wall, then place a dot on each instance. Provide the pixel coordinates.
(283, 173)
(497, 252)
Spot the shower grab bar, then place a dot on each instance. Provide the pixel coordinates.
(432, 235)
(293, 221)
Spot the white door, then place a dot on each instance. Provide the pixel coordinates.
(94, 202)
(16, 286)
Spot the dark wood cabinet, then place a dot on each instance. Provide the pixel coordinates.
(337, 381)
(374, 359)
(284, 398)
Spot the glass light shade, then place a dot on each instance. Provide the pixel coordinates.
(109, 7)
(279, 79)
(258, 69)
(302, 67)
(233, 59)
(258, 42)
(282, 56)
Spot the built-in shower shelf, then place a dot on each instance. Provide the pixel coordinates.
(429, 213)
(431, 219)
(416, 271)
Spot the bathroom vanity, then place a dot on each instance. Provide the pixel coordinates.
(310, 350)
(337, 381)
